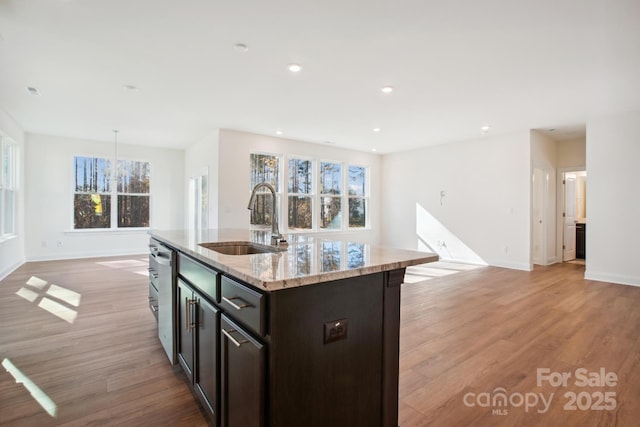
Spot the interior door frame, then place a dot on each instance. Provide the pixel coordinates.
(560, 204)
(542, 260)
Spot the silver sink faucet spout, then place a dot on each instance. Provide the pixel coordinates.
(276, 237)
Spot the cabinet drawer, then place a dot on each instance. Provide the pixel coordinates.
(153, 300)
(245, 305)
(201, 277)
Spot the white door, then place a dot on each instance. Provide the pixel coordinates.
(569, 251)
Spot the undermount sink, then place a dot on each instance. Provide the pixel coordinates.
(241, 248)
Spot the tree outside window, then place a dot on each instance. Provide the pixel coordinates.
(92, 198)
(357, 196)
(330, 195)
(263, 168)
(133, 193)
(300, 194)
(94, 192)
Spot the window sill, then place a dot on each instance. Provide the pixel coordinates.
(108, 230)
(323, 231)
(7, 237)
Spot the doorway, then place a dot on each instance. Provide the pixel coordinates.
(573, 217)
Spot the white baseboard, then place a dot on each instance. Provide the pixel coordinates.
(7, 271)
(85, 254)
(510, 264)
(611, 278)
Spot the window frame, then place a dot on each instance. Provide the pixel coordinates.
(279, 187)
(312, 195)
(8, 183)
(316, 198)
(119, 193)
(365, 197)
(113, 194)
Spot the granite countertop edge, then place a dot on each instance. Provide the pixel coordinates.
(398, 258)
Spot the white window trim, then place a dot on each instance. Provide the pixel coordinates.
(283, 195)
(12, 186)
(113, 193)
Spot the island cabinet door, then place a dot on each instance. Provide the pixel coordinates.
(243, 377)
(206, 373)
(186, 323)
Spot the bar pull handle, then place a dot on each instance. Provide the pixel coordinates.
(232, 339)
(187, 320)
(194, 313)
(242, 305)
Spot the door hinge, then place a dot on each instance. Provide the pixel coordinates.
(563, 247)
(564, 214)
(564, 182)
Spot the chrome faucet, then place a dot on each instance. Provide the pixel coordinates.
(276, 237)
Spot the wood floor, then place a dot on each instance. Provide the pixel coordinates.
(81, 332)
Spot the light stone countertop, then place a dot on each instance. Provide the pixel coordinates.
(307, 260)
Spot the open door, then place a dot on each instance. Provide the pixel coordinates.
(569, 216)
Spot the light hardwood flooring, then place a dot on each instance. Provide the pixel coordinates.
(82, 332)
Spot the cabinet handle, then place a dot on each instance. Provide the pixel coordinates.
(187, 321)
(154, 308)
(194, 313)
(234, 305)
(232, 339)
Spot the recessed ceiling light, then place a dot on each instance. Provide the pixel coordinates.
(387, 89)
(376, 129)
(278, 132)
(240, 47)
(132, 88)
(485, 129)
(33, 90)
(294, 68)
(374, 150)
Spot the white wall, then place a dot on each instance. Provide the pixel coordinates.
(49, 198)
(201, 156)
(544, 157)
(485, 214)
(613, 205)
(12, 253)
(234, 187)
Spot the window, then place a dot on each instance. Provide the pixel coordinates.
(94, 192)
(330, 200)
(8, 187)
(264, 168)
(92, 198)
(300, 194)
(133, 194)
(357, 197)
(317, 195)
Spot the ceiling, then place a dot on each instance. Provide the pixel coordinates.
(455, 66)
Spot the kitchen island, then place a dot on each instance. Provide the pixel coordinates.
(306, 334)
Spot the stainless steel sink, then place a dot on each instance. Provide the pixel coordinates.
(241, 248)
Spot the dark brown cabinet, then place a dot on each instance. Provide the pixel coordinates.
(315, 355)
(198, 338)
(243, 377)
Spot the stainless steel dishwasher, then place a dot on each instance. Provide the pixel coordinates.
(161, 272)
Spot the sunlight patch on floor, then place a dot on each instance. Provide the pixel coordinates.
(35, 391)
(55, 299)
(136, 266)
(432, 270)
